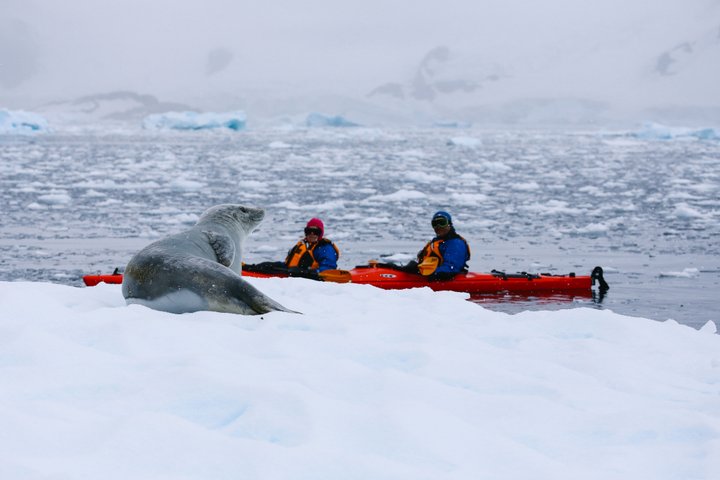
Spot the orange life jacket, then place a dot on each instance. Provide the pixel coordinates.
(432, 248)
(302, 256)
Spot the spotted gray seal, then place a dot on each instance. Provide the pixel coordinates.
(199, 269)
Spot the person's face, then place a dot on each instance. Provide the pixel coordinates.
(312, 234)
(441, 226)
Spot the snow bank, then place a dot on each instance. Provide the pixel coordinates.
(364, 384)
(195, 121)
(19, 121)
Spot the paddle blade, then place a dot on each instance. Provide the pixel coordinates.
(428, 265)
(336, 276)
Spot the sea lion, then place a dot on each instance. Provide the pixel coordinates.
(199, 269)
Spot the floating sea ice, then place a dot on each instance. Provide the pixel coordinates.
(683, 210)
(399, 196)
(186, 218)
(497, 167)
(398, 258)
(467, 142)
(265, 249)
(185, 184)
(252, 185)
(287, 204)
(686, 273)
(423, 177)
(593, 228)
(55, 198)
(469, 199)
(526, 186)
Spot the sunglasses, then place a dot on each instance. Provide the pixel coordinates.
(441, 222)
(312, 231)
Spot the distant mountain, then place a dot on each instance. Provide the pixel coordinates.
(120, 105)
(438, 75)
(218, 60)
(621, 79)
(680, 57)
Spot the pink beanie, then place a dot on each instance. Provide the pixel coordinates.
(317, 223)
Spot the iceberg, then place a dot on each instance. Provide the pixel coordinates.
(656, 131)
(21, 122)
(451, 124)
(320, 120)
(195, 121)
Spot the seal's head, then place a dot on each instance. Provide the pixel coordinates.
(239, 216)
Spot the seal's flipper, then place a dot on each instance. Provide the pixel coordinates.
(257, 300)
(222, 245)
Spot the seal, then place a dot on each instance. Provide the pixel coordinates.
(200, 268)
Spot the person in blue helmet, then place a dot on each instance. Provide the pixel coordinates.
(446, 254)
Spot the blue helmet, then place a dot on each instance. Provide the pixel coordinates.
(443, 214)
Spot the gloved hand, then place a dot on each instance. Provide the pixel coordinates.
(266, 267)
(303, 273)
(410, 267)
(440, 276)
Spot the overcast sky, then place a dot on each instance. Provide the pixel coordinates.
(179, 49)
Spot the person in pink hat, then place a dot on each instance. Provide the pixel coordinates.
(313, 253)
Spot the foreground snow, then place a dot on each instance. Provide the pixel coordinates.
(365, 384)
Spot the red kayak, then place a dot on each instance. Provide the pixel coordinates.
(92, 280)
(478, 283)
(392, 278)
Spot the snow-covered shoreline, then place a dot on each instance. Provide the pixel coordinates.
(364, 384)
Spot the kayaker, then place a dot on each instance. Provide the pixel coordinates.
(314, 253)
(446, 254)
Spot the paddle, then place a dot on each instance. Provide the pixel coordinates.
(336, 276)
(428, 265)
(279, 268)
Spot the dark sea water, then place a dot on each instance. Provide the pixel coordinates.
(647, 211)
